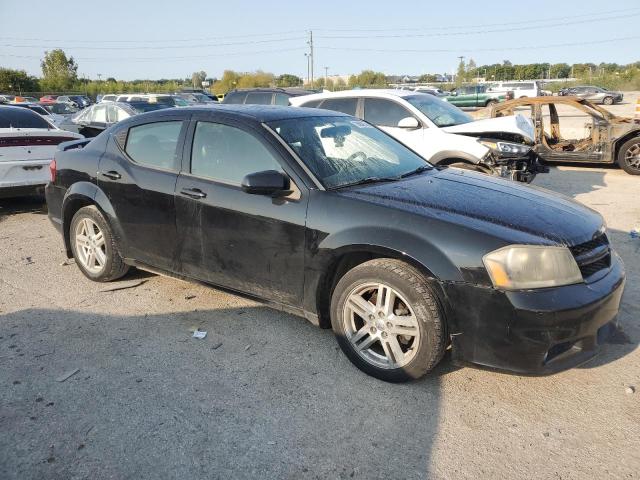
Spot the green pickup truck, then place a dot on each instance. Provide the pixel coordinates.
(474, 96)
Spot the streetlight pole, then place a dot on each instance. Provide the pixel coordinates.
(326, 70)
(308, 68)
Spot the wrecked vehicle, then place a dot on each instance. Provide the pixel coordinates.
(439, 131)
(325, 216)
(571, 129)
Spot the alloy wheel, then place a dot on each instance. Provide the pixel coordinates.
(632, 156)
(90, 246)
(381, 325)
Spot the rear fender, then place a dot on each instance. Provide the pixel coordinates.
(81, 194)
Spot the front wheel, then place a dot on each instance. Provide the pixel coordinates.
(629, 156)
(608, 101)
(93, 246)
(388, 321)
(491, 103)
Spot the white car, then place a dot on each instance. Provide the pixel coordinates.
(520, 89)
(27, 145)
(440, 132)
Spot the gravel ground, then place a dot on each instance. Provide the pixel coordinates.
(268, 395)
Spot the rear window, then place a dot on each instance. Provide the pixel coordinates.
(259, 98)
(21, 118)
(235, 97)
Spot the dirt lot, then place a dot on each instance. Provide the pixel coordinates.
(267, 395)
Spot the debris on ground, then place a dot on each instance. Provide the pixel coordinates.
(189, 297)
(27, 260)
(124, 287)
(630, 390)
(247, 347)
(635, 233)
(216, 346)
(199, 334)
(69, 261)
(67, 375)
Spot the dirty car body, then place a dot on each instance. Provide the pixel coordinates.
(561, 137)
(289, 248)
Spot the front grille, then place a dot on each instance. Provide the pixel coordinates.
(592, 256)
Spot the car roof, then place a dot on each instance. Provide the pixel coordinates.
(289, 90)
(258, 113)
(377, 93)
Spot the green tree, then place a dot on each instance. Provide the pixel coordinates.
(460, 74)
(288, 80)
(58, 71)
(17, 81)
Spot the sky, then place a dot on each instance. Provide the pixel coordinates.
(167, 39)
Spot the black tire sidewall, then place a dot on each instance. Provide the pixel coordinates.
(431, 328)
(621, 156)
(93, 214)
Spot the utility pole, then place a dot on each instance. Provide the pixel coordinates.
(461, 57)
(308, 57)
(99, 76)
(326, 70)
(310, 43)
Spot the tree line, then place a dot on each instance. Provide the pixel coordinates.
(60, 74)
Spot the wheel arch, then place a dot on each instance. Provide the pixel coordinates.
(447, 157)
(620, 141)
(83, 194)
(349, 256)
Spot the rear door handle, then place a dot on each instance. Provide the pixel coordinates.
(112, 174)
(193, 193)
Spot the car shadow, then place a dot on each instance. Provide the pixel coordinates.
(16, 205)
(587, 178)
(264, 395)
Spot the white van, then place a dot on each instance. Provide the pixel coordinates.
(520, 89)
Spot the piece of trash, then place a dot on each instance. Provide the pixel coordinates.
(630, 390)
(124, 287)
(67, 375)
(271, 443)
(67, 262)
(27, 260)
(189, 297)
(635, 233)
(247, 347)
(216, 346)
(199, 334)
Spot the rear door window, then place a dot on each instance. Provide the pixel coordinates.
(384, 113)
(344, 105)
(282, 99)
(155, 144)
(259, 98)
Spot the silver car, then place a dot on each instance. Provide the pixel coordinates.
(594, 94)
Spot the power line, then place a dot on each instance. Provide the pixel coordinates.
(478, 32)
(155, 47)
(473, 50)
(458, 26)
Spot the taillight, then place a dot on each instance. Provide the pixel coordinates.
(53, 170)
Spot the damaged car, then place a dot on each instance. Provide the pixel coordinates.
(325, 216)
(571, 129)
(440, 132)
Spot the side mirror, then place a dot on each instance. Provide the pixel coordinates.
(268, 182)
(409, 123)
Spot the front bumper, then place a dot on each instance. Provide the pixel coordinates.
(536, 331)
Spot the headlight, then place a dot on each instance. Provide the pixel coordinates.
(519, 267)
(506, 148)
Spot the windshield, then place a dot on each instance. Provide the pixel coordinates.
(342, 151)
(442, 113)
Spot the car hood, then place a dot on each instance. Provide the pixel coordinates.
(517, 124)
(507, 210)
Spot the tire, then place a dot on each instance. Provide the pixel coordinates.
(84, 235)
(371, 343)
(490, 103)
(607, 101)
(629, 156)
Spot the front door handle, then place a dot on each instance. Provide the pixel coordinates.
(193, 193)
(112, 174)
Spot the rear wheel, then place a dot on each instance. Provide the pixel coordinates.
(607, 100)
(490, 103)
(629, 156)
(93, 246)
(388, 321)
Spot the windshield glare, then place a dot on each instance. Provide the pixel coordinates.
(441, 113)
(345, 150)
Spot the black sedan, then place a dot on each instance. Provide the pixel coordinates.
(324, 215)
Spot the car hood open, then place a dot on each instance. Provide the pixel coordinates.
(516, 124)
(516, 213)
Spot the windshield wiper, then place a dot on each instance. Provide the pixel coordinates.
(364, 181)
(420, 169)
